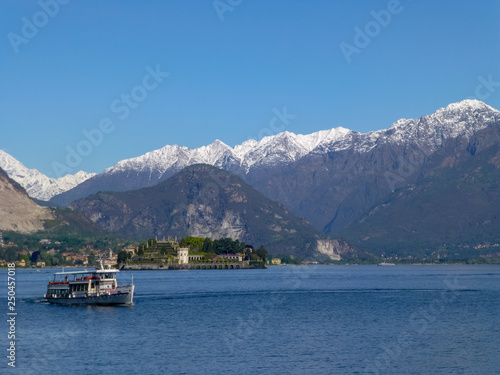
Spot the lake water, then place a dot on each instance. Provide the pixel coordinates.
(283, 320)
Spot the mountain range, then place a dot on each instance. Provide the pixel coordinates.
(333, 178)
(329, 177)
(337, 182)
(38, 185)
(426, 133)
(253, 159)
(158, 165)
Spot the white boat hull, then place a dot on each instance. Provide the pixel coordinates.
(118, 298)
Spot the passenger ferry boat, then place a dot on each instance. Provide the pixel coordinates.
(98, 287)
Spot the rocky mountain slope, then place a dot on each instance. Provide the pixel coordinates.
(452, 207)
(17, 211)
(204, 201)
(329, 177)
(337, 182)
(38, 185)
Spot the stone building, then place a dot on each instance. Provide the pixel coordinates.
(164, 249)
(183, 255)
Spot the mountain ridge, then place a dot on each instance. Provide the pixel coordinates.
(38, 185)
(426, 133)
(452, 208)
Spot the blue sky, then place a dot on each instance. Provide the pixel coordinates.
(138, 75)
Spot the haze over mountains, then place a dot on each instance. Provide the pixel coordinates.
(334, 178)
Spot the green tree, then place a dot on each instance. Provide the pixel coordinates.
(91, 259)
(228, 246)
(140, 252)
(254, 257)
(54, 261)
(288, 259)
(262, 253)
(35, 256)
(194, 243)
(10, 255)
(208, 246)
(46, 257)
(123, 256)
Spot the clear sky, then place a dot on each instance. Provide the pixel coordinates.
(138, 75)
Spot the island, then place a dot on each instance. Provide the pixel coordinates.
(192, 253)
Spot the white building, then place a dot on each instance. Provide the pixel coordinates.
(183, 255)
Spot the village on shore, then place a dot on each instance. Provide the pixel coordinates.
(166, 253)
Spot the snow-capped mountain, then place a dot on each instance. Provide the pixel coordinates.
(427, 134)
(36, 184)
(338, 181)
(284, 147)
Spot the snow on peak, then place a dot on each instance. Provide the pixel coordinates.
(283, 147)
(38, 185)
(467, 104)
(428, 132)
(311, 141)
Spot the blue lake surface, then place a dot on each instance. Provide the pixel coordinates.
(283, 320)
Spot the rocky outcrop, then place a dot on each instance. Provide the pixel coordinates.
(335, 249)
(203, 224)
(17, 211)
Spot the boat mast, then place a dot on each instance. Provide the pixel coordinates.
(100, 261)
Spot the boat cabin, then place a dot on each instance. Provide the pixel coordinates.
(82, 283)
